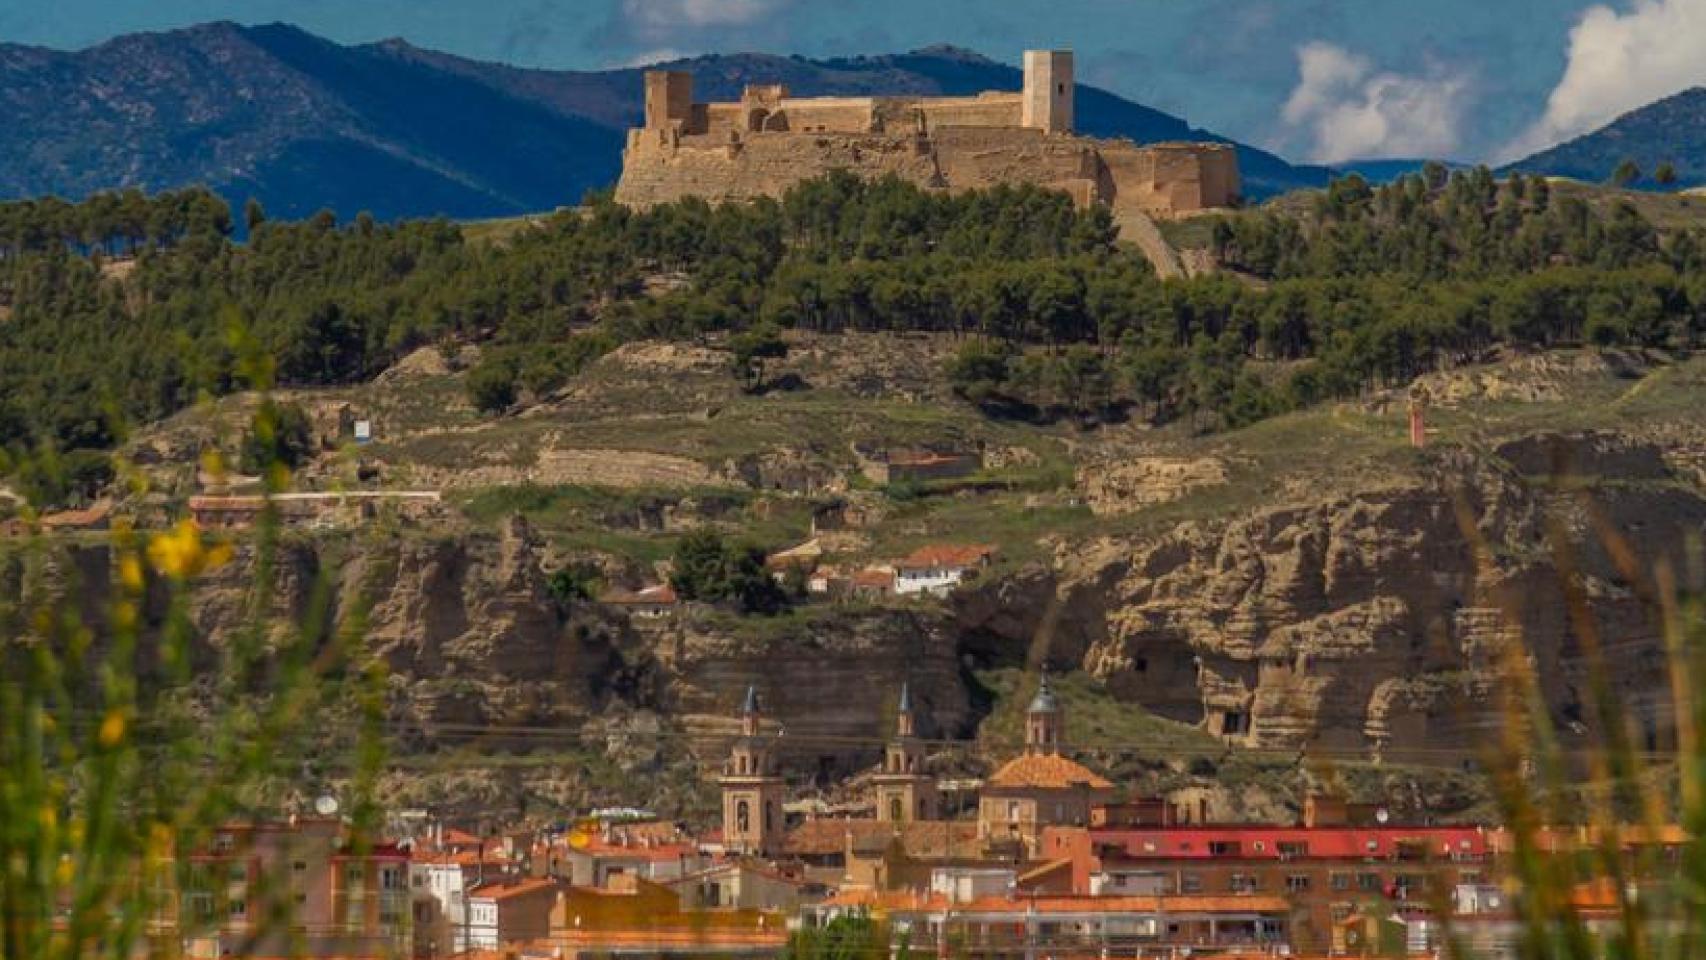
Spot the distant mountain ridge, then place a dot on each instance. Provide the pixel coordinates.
(1672, 130)
(302, 123)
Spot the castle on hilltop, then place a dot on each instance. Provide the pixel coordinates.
(769, 140)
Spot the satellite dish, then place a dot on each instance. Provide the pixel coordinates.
(326, 805)
(1381, 815)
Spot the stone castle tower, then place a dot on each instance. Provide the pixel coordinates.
(1048, 95)
(752, 790)
(904, 792)
(1044, 720)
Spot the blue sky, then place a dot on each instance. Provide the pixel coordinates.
(1315, 79)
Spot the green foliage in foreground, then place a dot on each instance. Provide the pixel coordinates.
(125, 740)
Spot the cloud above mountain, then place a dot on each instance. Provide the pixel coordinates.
(677, 26)
(1617, 61)
(1349, 110)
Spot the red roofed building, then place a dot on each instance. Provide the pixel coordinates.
(937, 569)
(343, 898)
(872, 582)
(510, 911)
(1323, 871)
(593, 864)
(1041, 787)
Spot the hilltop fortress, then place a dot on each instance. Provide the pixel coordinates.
(769, 140)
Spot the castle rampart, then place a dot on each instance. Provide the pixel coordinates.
(769, 140)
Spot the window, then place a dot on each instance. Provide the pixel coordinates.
(1013, 811)
(223, 843)
(238, 909)
(894, 809)
(390, 878)
(1341, 912)
(418, 880)
(1341, 881)
(1242, 883)
(299, 866)
(743, 817)
(1190, 883)
(1368, 882)
(237, 873)
(1293, 849)
(1297, 883)
(1223, 848)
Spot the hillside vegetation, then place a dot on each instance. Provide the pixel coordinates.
(125, 308)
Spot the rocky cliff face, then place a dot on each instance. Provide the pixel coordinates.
(479, 653)
(1365, 622)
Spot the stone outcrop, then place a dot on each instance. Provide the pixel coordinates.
(1127, 486)
(1363, 621)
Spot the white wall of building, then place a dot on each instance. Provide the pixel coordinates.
(935, 581)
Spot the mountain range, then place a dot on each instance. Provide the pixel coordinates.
(1672, 130)
(302, 123)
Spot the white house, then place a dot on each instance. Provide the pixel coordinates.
(937, 569)
(440, 907)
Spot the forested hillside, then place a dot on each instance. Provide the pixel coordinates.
(123, 309)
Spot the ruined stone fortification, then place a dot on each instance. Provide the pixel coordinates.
(768, 141)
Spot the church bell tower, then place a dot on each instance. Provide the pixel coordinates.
(904, 791)
(752, 790)
(1044, 719)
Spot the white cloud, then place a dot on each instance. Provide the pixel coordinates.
(1619, 61)
(689, 26)
(672, 15)
(650, 57)
(1354, 112)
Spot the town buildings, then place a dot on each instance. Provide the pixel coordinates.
(342, 895)
(1049, 863)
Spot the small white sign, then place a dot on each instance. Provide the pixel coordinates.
(363, 431)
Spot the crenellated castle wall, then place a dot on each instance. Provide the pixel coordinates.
(768, 141)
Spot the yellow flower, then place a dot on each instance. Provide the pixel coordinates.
(130, 572)
(180, 554)
(112, 729)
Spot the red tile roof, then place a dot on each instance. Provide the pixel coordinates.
(875, 578)
(1048, 771)
(506, 891)
(653, 853)
(939, 556)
